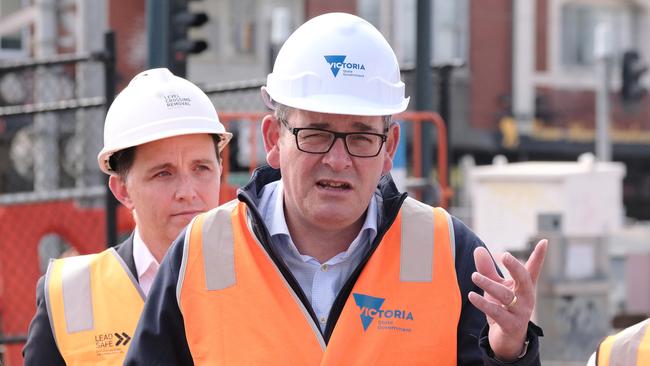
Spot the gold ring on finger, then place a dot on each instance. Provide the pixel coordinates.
(512, 303)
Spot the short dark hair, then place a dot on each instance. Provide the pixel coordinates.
(121, 161)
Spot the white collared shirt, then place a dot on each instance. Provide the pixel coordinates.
(321, 282)
(146, 264)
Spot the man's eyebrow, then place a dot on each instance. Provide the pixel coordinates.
(359, 126)
(162, 166)
(319, 125)
(158, 167)
(204, 161)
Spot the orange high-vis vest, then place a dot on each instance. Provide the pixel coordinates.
(629, 347)
(94, 304)
(238, 309)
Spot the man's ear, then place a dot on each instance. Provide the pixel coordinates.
(392, 140)
(120, 191)
(271, 136)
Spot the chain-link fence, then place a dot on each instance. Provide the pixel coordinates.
(53, 199)
(52, 194)
(240, 96)
(233, 98)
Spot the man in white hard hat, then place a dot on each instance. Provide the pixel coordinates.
(162, 144)
(322, 261)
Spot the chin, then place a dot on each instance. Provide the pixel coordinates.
(334, 219)
(170, 242)
(174, 232)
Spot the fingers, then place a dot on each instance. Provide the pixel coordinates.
(525, 276)
(485, 264)
(496, 312)
(518, 272)
(502, 294)
(507, 303)
(536, 260)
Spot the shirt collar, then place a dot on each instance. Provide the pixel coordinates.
(142, 256)
(273, 213)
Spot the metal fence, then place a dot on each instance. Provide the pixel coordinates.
(53, 197)
(52, 194)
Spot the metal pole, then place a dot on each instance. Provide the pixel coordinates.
(603, 141)
(91, 26)
(424, 85)
(45, 127)
(158, 33)
(602, 51)
(523, 65)
(444, 73)
(109, 85)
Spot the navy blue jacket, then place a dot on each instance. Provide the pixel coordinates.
(41, 348)
(160, 336)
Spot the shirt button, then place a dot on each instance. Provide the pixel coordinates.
(324, 267)
(323, 319)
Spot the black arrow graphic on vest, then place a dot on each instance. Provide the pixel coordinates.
(126, 338)
(119, 339)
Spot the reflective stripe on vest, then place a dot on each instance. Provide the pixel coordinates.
(218, 258)
(629, 347)
(93, 303)
(77, 302)
(394, 313)
(416, 259)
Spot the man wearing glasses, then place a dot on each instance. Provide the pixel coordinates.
(321, 260)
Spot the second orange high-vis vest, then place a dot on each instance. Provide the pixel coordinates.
(94, 304)
(238, 309)
(631, 347)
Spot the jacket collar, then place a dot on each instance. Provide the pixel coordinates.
(125, 250)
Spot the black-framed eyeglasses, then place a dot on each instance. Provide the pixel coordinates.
(320, 141)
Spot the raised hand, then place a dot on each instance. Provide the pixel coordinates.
(508, 304)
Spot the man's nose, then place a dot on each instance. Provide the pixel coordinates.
(186, 188)
(338, 157)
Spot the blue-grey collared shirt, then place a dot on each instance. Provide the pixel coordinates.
(320, 282)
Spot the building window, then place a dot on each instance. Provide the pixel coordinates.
(397, 21)
(579, 21)
(449, 31)
(243, 26)
(12, 44)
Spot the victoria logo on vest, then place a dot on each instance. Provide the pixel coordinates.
(387, 319)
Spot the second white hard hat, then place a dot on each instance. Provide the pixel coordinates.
(337, 63)
(156, 105)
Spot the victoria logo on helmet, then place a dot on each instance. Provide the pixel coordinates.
(337, 63)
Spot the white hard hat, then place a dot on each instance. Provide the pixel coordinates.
(337, 63)
(155, 105)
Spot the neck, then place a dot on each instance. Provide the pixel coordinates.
(157, 246)
(320, 243)
(158, 251)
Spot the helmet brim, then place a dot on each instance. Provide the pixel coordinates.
(162, 130)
